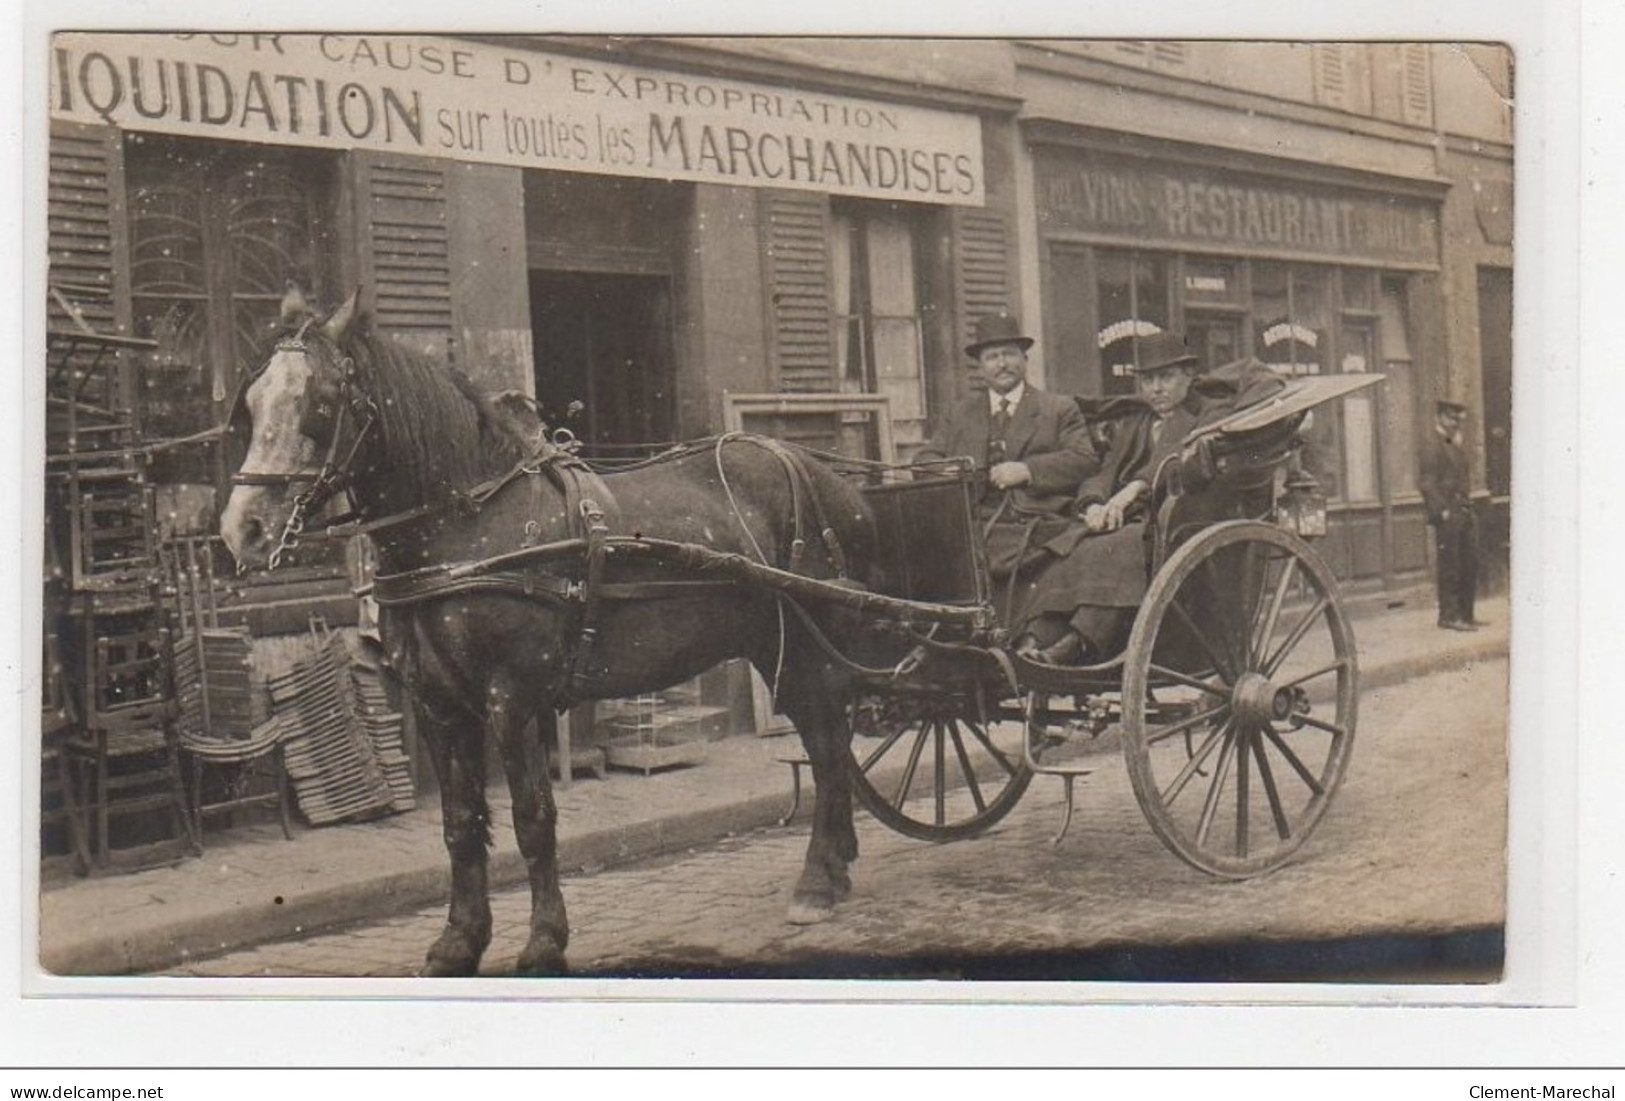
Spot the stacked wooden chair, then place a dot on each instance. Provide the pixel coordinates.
(110, 752)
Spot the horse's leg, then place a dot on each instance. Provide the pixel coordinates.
(817, 705)
(465, 823)
(535, 822)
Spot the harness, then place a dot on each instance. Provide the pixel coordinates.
(532, 570)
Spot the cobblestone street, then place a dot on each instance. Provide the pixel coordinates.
(1414, 847)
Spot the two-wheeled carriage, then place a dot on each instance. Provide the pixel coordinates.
(1234, 700)
(514, 579)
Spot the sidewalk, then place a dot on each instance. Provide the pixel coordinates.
(251, 885)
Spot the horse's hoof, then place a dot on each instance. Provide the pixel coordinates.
(841, 884)
(806, 912)
(542, 961)
(439, 968)
(452, 956)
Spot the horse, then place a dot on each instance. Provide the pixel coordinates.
(452, 483)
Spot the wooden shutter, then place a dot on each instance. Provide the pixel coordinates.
(981, 255)
(406, 254)
(1331, 75)
(85, 227)
(1170, 54)
(796, 228)
(1416, 84)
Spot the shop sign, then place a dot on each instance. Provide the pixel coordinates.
(477, 102)
(1213, 210)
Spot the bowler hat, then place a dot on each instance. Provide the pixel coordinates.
(1164, 349)
(999, 328)
(1445, 406)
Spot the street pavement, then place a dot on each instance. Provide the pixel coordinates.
(251, 887)
(1412, 853)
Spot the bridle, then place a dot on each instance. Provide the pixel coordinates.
(334, 474)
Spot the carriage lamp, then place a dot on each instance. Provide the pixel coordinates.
(1301, 505)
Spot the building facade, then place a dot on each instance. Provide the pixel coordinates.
(664, 239)
(656, 238)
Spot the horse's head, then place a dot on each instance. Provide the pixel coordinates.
(302, 415)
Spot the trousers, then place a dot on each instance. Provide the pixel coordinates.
(1456, 542)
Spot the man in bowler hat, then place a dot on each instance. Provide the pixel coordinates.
(1445, 490)
(1033, 446)
(1078, 606)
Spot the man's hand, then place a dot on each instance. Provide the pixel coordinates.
(1009, 475)
(1109, 516)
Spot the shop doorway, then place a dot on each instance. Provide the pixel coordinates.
(603, 357)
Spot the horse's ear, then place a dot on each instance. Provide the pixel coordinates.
(294, 306)
(338, 326)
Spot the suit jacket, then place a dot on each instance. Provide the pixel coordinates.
(1047, 432)
(1134, 455)
(1445, 480)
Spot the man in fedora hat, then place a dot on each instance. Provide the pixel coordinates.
(1445, 486)
(1033, 446)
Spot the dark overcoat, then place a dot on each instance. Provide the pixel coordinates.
(1445, 481)
(1112, 569)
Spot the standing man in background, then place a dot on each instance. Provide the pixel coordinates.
(1445, 485)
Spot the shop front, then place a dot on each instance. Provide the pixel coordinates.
(655, 250)
(1311, 270)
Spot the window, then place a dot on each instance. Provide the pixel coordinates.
(216, 233)
(1291, 333)
(1132, 304)
(877, 313)
(1358, 412)
(1399, 398)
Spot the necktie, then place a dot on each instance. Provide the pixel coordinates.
(1001, 420)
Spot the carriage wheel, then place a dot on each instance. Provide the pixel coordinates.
(924, 768)
(1239, 696)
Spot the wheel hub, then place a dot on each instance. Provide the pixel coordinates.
(1256, 700)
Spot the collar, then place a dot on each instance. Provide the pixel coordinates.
(1013, 397)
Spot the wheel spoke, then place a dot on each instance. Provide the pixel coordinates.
(1292, 759)
(1282, 584)
(1191, 682)
(913, 764)
(1244, 741)
(1321, 724)
(1296, 636)
(980, 735)
(1335, 667)
(1192, 766)
(1267, 778)
(1219, 664)
(1166, 732)
(1210, 805)
(940, 780)
(1230, 632)
(964, 764)
(882, 749)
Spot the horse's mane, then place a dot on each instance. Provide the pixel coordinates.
(440, 431)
